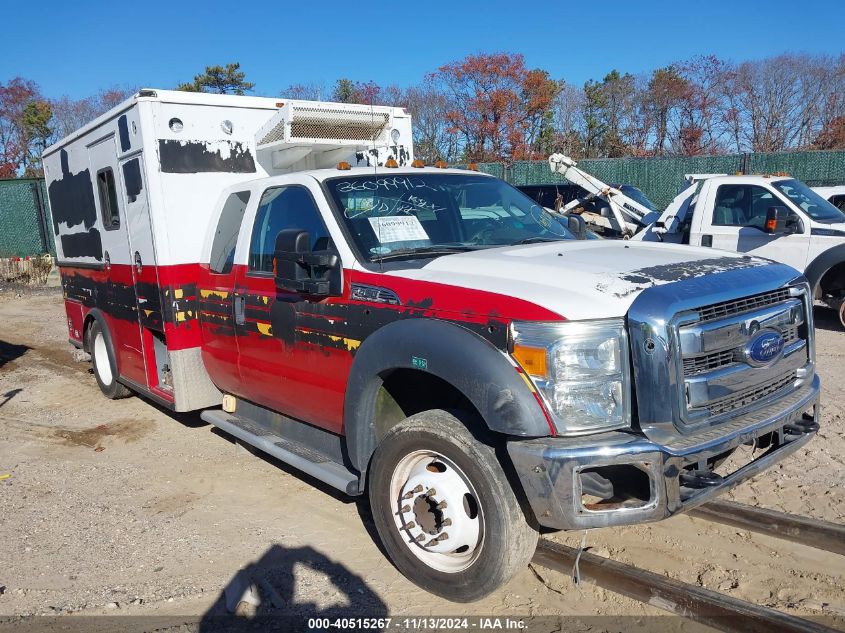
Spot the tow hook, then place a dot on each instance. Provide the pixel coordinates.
(699, 479)
(803, 426)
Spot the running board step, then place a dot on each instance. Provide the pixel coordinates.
(302, 457)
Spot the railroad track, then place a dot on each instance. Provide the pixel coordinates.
(714, 609)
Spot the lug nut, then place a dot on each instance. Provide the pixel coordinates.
(431, 542)
(442, 537)
(441, 505)
(430, 492)
(410, 525)
(446, 522)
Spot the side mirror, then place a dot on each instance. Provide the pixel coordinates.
(296, 268)
(577, 226)
(776, 220)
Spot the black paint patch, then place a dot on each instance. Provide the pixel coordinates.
(690, 269)
(85, 244)
(132, 179)
(123, 132)
(72, 198)
(192, 157)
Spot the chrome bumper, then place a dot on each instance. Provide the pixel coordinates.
(551, 469)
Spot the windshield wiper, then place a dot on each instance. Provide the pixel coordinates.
(536, 239)
(424, 250)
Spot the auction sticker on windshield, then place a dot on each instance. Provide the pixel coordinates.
(398, 228)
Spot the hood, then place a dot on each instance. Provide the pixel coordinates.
(578, 279)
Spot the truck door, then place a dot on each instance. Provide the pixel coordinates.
(217, 297)
(145, 275)
(118, 299)
(291, 371)
(737, 223)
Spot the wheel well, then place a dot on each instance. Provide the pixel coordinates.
(833, 281)
(86, 329)
(405, 392)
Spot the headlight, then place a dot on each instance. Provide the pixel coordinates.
(581, 368)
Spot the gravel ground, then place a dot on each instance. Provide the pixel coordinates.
(120, 507)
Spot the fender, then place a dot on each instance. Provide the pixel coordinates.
(822, 263)
(460, 357)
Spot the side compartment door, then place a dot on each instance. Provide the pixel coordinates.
(737, 223)
(145, 276)
(217, 297)
(120, 303)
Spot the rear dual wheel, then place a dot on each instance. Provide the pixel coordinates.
(444, 509)
(105, 363)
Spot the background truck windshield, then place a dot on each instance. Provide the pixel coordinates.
(812, 203)
(435, 213)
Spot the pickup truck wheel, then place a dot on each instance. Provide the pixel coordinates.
(105, 365)
(444, 509)
(842, 313)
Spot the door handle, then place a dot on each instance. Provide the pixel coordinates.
(240, 309)
(707, 240)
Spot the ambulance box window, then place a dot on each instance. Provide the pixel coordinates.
(226, 236)
(108, 199)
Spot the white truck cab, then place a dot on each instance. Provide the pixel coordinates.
(777, 217)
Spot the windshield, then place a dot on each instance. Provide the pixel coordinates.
(812, 203)
(433, 214)
(637, 196)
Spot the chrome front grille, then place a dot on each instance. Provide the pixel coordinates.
(707, 362)
(750, 396)
(738, 306)
(719, 374)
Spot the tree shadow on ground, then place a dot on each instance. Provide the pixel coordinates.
(273, 593)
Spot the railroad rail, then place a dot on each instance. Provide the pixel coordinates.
(714, 609)
(789, 527)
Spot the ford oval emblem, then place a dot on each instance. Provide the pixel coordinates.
(765, 348)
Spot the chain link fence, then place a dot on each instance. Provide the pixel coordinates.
(661, 178)
(25, 225)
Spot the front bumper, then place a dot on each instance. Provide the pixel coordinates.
(552, 470)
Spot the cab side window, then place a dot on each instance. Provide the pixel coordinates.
(838, 202)
(288, 207)
(743, 205)
(107, 191)
(228, 229)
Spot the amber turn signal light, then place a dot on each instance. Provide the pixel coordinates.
(418, 163)
(391, 163)
(532, 360)
(472, 167)
(344, 165)
(441, 164)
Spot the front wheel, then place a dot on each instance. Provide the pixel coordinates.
(444, 509)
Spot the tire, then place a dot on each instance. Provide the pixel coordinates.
(490, 540)
(105, 364)
(842, 314)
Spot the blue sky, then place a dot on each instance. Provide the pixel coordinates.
(75, 51)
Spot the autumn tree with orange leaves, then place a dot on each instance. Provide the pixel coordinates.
(496, 105)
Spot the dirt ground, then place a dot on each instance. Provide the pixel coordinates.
(119, 507)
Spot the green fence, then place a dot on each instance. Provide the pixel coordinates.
(661, 178)
(25, 224)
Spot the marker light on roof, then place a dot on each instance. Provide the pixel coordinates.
(417, 163)
(344, 165)
(441, 164)
(390, 162)
(472, 167)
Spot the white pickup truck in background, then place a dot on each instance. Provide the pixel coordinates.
(777, 217)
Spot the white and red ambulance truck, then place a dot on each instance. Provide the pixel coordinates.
(429, 337)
